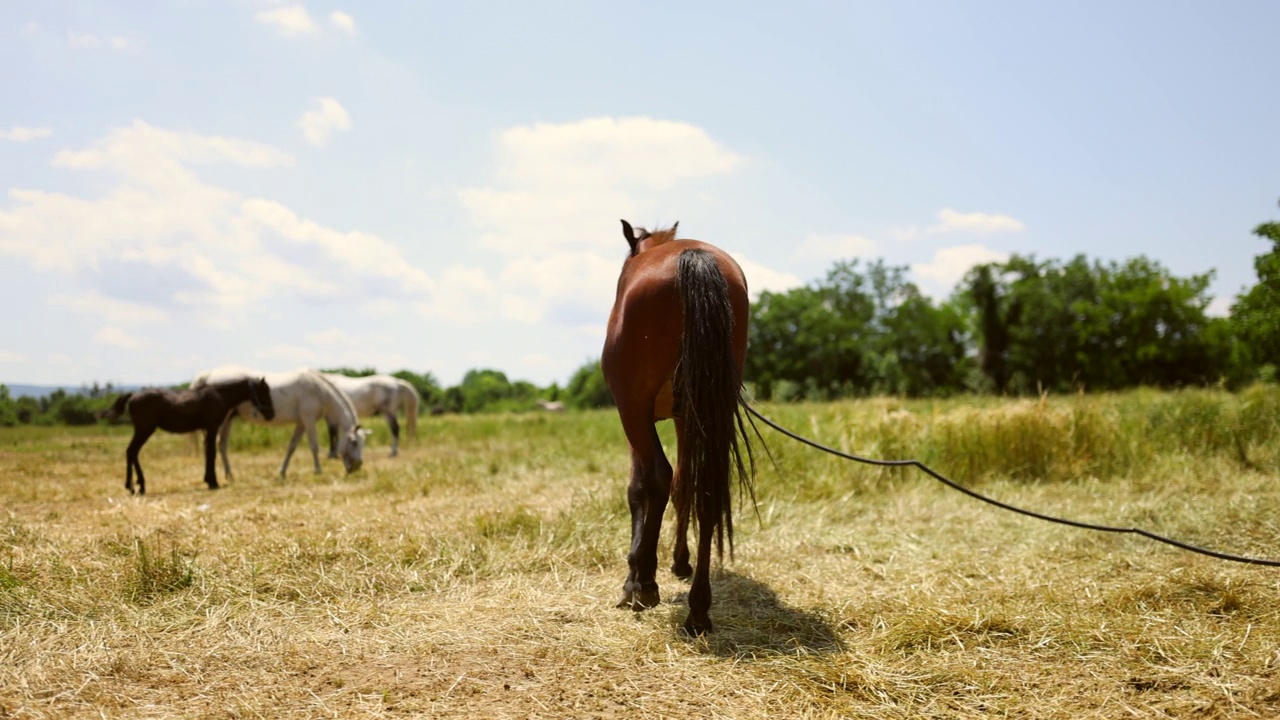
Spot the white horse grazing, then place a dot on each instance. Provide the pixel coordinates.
(301, 397)
(378, 395)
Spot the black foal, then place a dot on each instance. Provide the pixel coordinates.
(185, 411)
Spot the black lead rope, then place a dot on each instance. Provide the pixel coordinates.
(1062, 521)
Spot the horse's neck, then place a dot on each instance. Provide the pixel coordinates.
(335, 404)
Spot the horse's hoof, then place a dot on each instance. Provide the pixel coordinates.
(697, 627)
(684, 570)
(640, 600)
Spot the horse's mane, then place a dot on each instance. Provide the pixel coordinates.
(336, 397)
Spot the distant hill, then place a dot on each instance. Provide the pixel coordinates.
(39, 391)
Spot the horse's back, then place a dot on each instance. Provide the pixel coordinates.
(644, 337)
(284, 397)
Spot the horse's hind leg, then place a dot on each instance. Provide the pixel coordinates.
(224, 439)
(647, 495)
(680, 552)
(140, 436)
(699, 621)
(333, 438)
(395, 432)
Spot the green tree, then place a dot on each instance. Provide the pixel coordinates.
(8, 409)
(1060, 326)
(1255, 315)
(428, 387)
(587, 388)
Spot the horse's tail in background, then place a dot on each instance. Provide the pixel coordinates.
(117, 408)
(409, 394)
(707, 388)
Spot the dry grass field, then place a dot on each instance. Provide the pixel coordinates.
(475, 575)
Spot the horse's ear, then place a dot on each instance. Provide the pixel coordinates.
(673, 231)
(630, 235)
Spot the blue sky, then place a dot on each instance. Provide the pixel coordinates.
(437, 186)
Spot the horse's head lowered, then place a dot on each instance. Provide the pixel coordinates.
(351, 447)
(640, 239)
(260, 397)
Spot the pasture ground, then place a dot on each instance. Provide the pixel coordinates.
(476, 574)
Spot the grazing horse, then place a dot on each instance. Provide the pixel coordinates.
(675, 346)
(301, 397)
(203, 408)
(377, 395)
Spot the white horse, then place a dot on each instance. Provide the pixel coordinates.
(378, 395)
(300, 397)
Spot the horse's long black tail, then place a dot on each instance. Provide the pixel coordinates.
(117, 408)
(707, 387)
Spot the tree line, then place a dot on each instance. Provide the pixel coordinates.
(481, 390)
(1017, 327)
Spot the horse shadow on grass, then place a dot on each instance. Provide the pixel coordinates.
(751, 621)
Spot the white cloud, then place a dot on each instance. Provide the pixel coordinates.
(289, 21)
(89, 41)
(950, 221)
(18, 133)
(551, 211)
(326, 118)
(111, 309)
(835, 247)
(111, 335)
(171, 243)
(29, 28)
(343, 22)
(950, 264)
(333, 348)
(978, 223)
(1220, 306)
(761, 278)
(11, 357)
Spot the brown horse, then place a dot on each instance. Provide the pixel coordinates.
(675, 347)
(204, 408)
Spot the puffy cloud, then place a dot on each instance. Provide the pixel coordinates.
(951, 263)
(551, 211)
(89, 41)
(327, 117)
(835, 247)
(289, 21)
(977, 223)
(111, 335)
(11, 357)
(18, 133)
(334, 347)
(111, 309)
(160, 240)
(343, 22)
(761, 278)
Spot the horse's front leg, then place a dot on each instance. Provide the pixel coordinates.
(210, 458)
(647, 496)
(293, 445)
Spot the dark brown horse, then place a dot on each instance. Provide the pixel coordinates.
(675, 346)
(204, 408)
